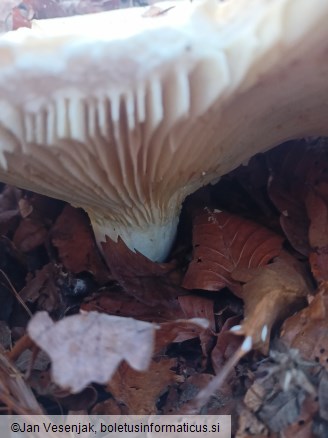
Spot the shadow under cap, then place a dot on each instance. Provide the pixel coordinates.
(125, 115)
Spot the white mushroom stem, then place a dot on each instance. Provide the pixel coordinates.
(126, 115)
(154, 241)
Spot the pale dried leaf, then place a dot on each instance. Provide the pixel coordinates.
(89, 347)
(307, 330)
(270, 293)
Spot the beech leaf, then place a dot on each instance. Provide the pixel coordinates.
(142, 278)
(269, 294)
(224, 242)
(140, 391)
(307, 330)
(90, 346)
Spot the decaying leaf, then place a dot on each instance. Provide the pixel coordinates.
(115, 302)
(288, 165)
(198, 307)
(73, 238)
(179, 331)
(171, 319)
(269, 294)
(307, 330)
(304, 427)
(147, 281)
(297, 168)
(226, 344)
(224, 242)
(283, 387)
(140, 391)
(89, 347)
(250, 426)
(317, 210)
(30, 234)
(43, 289)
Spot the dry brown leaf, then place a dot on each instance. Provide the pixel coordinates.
(251, 427)
(303, 427)
(43, 289)
(194, 306)
(226, 344)
(89, 347)
(109, 407)
(140, 391)
(288, 165)
(224, 242)
(307, 330)
(147, 281)
(73, 238)
(296, 168)
(115, 302)
(269, 294)
(283, 386)
(179, 331)
(30, 234)
(317, 210)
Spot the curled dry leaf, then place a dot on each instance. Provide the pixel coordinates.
(288, 164)
(89, 347)
(200, 307)
(43, 289)
(147, 281)
(224, 242)
(226, 344)
(317, 210)
(307, 330)
(179, 331)
(269, 294)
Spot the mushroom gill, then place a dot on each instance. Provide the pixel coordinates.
(126, 114)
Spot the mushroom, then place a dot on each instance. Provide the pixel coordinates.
(125, 113)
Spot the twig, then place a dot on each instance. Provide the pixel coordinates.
(16, 294)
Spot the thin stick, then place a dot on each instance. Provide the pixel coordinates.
(16, 294)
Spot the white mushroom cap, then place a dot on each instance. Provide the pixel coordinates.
(125, 115)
